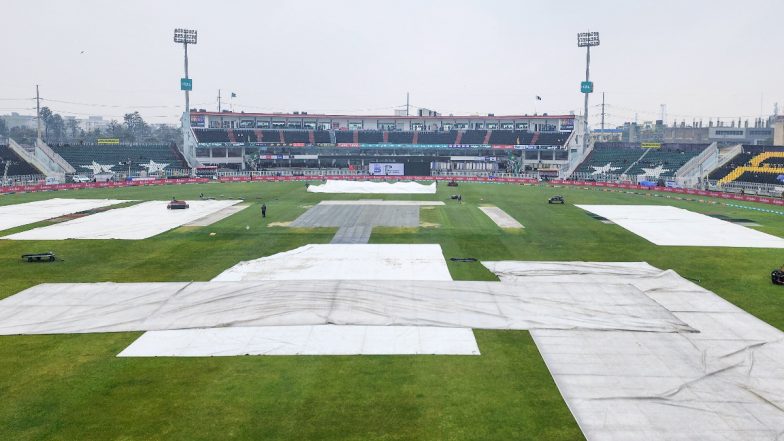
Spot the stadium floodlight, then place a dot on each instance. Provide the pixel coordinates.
(587, 40)
(187, 36)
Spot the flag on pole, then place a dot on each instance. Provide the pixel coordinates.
(233, 95)
(538, 98)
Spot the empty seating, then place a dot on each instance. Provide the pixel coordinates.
(437, 137)
(211, 135)
(344, 137)
(80, 156)
(16, 165)
(371, 136)
(296, 136)
(473, 137)
(401, 137)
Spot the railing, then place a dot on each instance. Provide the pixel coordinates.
(21, 180)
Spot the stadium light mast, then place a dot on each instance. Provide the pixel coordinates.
(587, 40)
(186, 37)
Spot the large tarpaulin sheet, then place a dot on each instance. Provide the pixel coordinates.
(135, 222)
(345, 262)
(725, 382)
(304, 340)
(117, 307)
(369, 187)
(665, 225)
(12, 216)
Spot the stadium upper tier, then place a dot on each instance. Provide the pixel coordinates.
(116, 157)
(660, 160)
(354, 138)
(754, 163)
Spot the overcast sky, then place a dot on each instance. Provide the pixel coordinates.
(702, 58)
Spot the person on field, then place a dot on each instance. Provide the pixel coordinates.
(264, 210)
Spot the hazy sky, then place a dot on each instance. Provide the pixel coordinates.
(702, 58)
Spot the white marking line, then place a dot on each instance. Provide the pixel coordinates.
(501, 218)
(12, 216)
(218, 216)
(671, 226)
(135, 222)
(304, 340)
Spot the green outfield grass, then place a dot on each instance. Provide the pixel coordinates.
(73, 387)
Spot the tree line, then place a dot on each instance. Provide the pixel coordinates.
(59, 130)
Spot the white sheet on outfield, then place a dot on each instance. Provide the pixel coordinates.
(118, 307)
(345, 262)
(304, 340)
(501, 217)
(383, 202)
(372, 187)
(725, 382)
(12, 216)
(665, 225)
(138, 221)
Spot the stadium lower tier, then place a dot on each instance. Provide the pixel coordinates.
(634, 160)
(762, 164)
(117, 158)
(12, 165)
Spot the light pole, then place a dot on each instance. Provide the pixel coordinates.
(186, 37)
(586, 40)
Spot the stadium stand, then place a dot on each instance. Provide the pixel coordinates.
(631, 159)
(321, 137)
(755, 163)
(212, 135)
(401, 137)
(344, 137)
(84, 155)
(437, 137)
(16, 165)
(473, 137)
(370, 137)
(296, 137)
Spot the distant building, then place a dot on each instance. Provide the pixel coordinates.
(17, 120)
(741, 135)
(778, 130)
(93, 123)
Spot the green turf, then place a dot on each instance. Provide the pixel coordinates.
(73, 386)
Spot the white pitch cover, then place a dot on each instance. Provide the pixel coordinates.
(304, 340)
(370, 187)
(725, 382)
(666, 225)
(12, 216)
(139, 221)
(501, 217)
(345, 262)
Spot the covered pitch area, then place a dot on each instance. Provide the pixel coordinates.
(536, 379)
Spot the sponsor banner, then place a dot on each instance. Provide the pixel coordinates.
(567, 125)
(386, 169)
(538, 147)
(347, 144)
(305, 156)
(197, 120)
(108, 141)
(650, 145)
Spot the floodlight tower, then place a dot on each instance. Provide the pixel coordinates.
(186, 37)
(587, 40)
